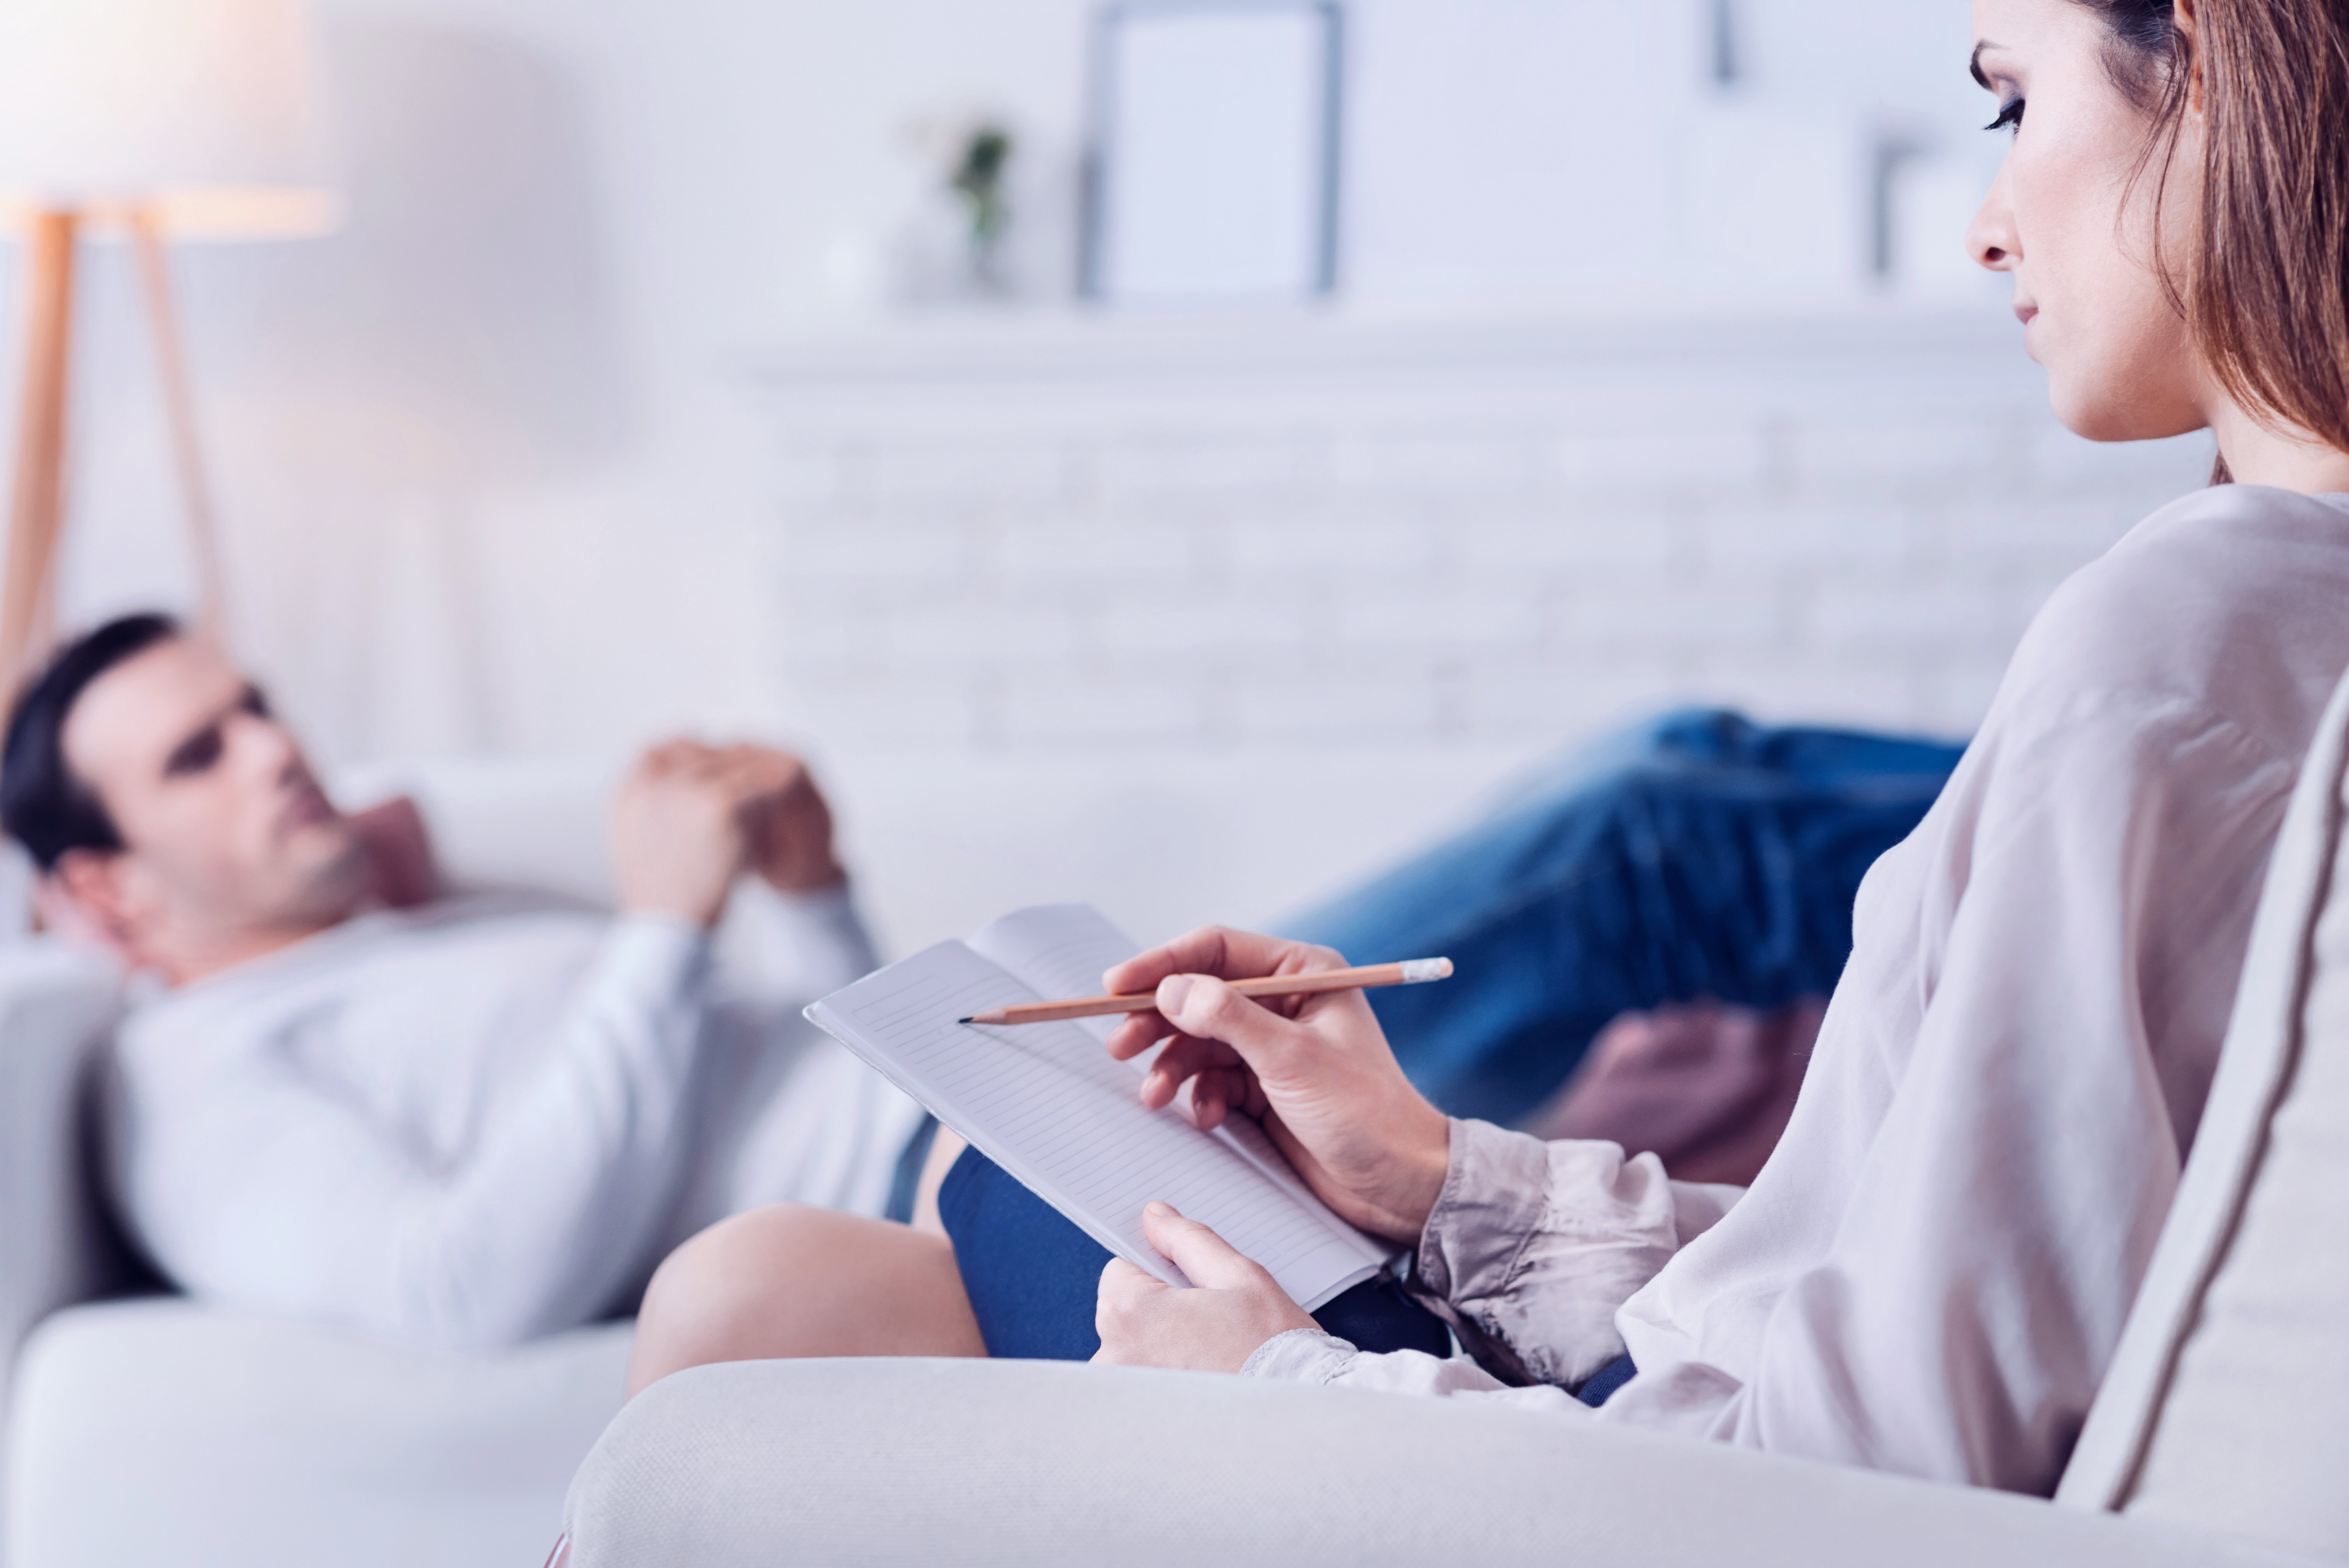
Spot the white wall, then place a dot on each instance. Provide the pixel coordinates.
(1199, 618)
(508, 383)
(502, 473)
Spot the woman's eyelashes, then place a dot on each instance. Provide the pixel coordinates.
(2009, 115)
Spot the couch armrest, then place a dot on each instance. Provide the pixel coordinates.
(1042, 1464)
(55, 1006)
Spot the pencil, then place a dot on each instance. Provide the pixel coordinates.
(1410, 971)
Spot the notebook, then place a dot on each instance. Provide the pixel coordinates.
(1046, 1103)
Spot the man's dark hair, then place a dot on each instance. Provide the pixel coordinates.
(44, 807)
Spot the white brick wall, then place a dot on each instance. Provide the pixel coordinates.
(1021, 537)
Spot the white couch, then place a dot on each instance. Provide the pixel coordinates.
(145, 1429)
(2220, 1436)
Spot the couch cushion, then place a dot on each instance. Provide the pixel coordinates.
(2228, 1405)
(55, 1005)
(160, 1432)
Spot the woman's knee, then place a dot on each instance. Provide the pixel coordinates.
(793, 1280)
(716, 1283)
(733, 1261)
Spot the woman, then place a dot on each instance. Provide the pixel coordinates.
(1930, 1274)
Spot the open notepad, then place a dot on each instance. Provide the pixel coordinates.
(1046, 1103)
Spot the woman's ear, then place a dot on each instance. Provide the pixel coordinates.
(2190, 39)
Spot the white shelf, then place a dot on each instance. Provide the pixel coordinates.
(1042, 348)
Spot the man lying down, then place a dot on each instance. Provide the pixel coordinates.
(465, 1123)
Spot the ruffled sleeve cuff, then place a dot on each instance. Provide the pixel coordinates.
(1533, 1246)
(1494, 1190)
(1300, 1355)
(1322, 1360)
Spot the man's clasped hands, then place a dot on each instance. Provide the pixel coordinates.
(690, 817)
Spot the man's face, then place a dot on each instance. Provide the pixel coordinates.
(226, 831)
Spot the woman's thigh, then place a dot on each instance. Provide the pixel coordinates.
(792, 1280)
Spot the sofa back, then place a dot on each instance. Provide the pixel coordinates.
(504, 823)
(2227, 1408)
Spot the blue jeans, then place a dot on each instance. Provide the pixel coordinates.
(1697, 855)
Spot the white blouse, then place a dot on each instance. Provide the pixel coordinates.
(1931, 1273)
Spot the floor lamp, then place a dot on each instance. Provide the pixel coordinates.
(152, 121)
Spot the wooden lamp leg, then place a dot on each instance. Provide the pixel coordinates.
(187, 449)
(37, 509)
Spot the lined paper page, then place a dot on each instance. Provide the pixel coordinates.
(1048, 1105)
(1063, 950)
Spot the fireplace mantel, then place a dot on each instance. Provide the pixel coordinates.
(1042, 349)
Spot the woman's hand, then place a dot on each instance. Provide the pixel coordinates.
(1215, 1328)
(1316, 1070)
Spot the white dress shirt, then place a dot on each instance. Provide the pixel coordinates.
(486, 1119)
(1931, 1273)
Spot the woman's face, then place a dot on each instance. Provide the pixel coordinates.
(2068, 220)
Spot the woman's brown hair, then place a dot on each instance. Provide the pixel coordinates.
(2267, 292)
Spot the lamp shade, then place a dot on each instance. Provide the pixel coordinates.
(206, 113)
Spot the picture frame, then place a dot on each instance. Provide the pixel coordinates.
(1212, 172)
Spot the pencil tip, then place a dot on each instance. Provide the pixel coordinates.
(962, 1020)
